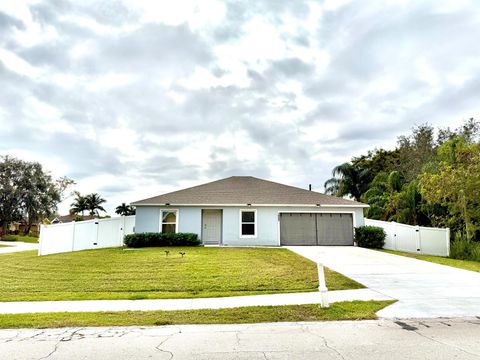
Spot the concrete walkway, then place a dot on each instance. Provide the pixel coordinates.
(16, 246)
(424, 289)
(22, 307)
(336, 340)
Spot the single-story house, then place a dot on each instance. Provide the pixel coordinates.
(62, 219)
(244, 210)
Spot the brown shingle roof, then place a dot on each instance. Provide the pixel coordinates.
(242, 190)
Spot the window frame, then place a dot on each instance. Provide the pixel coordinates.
(177, 213)
(255, 220)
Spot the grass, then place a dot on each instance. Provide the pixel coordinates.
(462, 264)
(149, 274)
(22, 238)
(355, 310)
(4, 245)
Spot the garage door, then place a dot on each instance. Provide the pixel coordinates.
(316, 229)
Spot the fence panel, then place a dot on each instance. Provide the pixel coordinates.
(55, 239)
(430, 240)
(414, 239)
(83, 235)
(110, 232)
(406, 238)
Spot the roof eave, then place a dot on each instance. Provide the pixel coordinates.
(260, 205)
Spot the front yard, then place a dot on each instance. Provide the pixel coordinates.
(150, 274)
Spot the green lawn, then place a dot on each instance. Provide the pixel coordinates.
(27, 239)
(4, 245)
(355, 310)
(149, 274)
(462, 264)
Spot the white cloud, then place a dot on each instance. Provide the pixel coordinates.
(135, 98)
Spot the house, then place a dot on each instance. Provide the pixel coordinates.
(61, 219)
(20, 227)
(244, 210)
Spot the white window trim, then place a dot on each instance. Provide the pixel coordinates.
(254, 223)
(177, 218)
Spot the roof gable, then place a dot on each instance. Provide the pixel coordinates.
(243, 190)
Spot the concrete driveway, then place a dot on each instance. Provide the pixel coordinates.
(424, 289)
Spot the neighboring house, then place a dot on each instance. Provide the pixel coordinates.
(243, 210)
(21, 227)
(70, 217)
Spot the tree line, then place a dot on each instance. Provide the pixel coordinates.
(431, 178)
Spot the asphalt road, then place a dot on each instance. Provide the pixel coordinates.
(383, 339)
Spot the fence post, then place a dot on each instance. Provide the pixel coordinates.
(122, 233)
(418, 239)
(40, 240)
(73, 235)
(322, 286)
(447, 234)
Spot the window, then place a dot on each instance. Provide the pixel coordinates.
(248, 226)
(169, 221)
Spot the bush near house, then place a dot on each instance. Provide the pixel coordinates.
(372, 237)
(9, 238)
(161, 239)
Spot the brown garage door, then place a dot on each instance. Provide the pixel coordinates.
(316, 229)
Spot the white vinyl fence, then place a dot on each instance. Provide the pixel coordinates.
(83, 235)
(414, 239)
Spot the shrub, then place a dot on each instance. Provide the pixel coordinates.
(464, 249)
(161, 239)
(370, 237)
(9, 237)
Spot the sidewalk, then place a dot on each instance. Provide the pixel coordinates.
(16, 246)
(23, 307)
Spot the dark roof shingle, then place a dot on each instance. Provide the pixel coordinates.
(239, 190)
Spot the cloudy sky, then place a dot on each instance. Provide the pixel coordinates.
(135, 98)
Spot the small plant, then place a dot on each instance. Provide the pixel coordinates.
(182, 253)
(167, 252)
(370, 237)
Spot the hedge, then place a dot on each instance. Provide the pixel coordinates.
(161, 239)
(9, 238)
(370, 237)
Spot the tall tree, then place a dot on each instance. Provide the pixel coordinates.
(453, 181)
(125, 210)
(347, 180)
(79, 205)
(381, 195)
(94, 203)
(27, 192)
(415, 150)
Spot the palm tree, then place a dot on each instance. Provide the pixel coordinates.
(125, 210)
(79, 205)
(94, 203)
(347, 180)
(383, 195)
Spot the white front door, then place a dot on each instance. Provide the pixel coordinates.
(212, 227)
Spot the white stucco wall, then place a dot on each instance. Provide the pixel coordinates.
(190, 220)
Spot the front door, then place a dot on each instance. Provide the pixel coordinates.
(212, 227)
